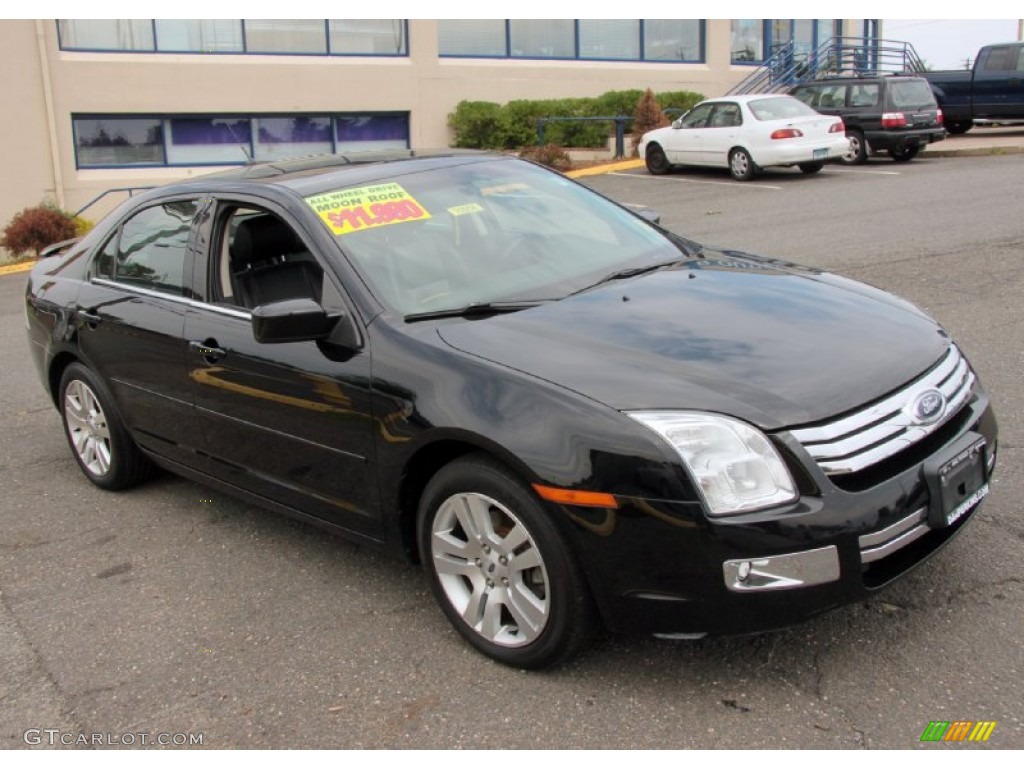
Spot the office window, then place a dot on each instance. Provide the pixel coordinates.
(672, 40)
(278, 137)
(106, 34)
(118, 141)
(201, 141)
(609, 39)
(542, 38)
(285, 36)
(199, 35)
(360, 133)
(471, 37)
(747, 40)
(381, 37)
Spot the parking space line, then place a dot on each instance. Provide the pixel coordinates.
(695, 181)
(853, 170)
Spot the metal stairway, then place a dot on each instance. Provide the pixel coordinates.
(836, 57)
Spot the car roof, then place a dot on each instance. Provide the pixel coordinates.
(748, 97)
(858, 79)
(317, 173)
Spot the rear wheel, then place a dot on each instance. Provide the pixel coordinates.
(957, 128)
(99, 441)
(500, 570)
(657, 162)
(741, 165)
(904, 154)
(811, 167)
(858, 151)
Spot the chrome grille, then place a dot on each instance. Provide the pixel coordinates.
(879, 431)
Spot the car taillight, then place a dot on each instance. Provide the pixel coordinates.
(894, 120)
(938, 116)
(787, 133)
(837, 128)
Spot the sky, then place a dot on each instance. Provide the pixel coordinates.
(947, 43)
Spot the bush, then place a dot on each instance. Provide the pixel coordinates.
(35, 228)
(550, 155)
(486, 125)
(647, 117)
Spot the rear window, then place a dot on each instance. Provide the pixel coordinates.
(911, 94)
(779, 108)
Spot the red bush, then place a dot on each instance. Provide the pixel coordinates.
(647, 117)
(35, 228)
(550, 155)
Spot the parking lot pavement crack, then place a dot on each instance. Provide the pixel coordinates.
(30, 695)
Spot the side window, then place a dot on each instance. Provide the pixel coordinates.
(697, 117)
(832, 97)
(726, 116)
(149, 249)
(864, 95)
(1000, 59)
(258, 258)
(808, 96)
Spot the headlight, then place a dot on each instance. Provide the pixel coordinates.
(735, 466)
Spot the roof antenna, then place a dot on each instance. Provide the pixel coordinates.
(241, 145)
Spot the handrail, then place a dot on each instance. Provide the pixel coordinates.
(620, 129)
(91, 203)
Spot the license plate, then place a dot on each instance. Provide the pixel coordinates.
(820, 154)
(956, 480)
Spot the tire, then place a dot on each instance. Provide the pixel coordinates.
(499, 568)
(904, 154)
(959, 127)
(741, 165)
(858, 152)
(98, 439)
(657, 162)
(811, 167)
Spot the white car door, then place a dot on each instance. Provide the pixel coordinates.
(722, 134)
(684, 145)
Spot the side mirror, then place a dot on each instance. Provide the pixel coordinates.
(649, 214)
(292, 320)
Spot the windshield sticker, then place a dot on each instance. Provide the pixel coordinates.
(515, 186)
(353, 210)
(462, 210)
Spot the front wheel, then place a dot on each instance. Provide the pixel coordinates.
(904, 154)
(957, 128)
(99, 441)
(811, 167)
(741, 165)
(499, 568)
(657, 162)
(857, 153)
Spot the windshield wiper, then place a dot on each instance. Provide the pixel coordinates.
(621, 274)
(474, 309)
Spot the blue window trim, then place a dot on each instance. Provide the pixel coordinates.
(245, 46)
(701, 46)
(333, 115)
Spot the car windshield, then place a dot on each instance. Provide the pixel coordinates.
(482, 232)
(780, 108)
(911, 94)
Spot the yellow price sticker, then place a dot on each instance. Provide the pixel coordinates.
(462, 210)
(353, 210)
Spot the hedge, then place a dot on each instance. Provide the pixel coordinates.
(486, 125)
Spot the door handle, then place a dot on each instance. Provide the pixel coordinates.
(208, 350)
(90, 317)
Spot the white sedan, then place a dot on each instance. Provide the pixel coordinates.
(745, 134)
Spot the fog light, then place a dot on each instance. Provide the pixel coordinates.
(743, 571)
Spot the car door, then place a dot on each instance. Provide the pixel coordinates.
(999, 82)
(289, 422)
(724, 132)
(684, 144)
(131, 317)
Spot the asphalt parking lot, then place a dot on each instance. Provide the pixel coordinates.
(173, 609)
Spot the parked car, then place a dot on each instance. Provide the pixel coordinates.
(745, 134)
(992, 89)
(566, 413)
(891, 114)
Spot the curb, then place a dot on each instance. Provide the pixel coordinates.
(597, 170)
(975, 151)
(11, 269)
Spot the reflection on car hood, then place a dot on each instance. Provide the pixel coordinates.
(775, 345)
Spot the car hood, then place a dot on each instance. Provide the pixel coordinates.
(771, 343)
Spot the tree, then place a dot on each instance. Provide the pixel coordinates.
(646, 117)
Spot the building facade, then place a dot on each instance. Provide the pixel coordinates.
(94, 105)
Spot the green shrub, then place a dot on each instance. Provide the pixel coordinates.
(486, 125)
(35, 228)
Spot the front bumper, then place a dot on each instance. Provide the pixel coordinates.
(664, 568)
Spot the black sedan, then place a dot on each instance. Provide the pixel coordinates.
(569, 415)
